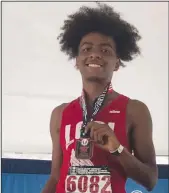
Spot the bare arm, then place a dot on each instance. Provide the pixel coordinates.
(142, 166)
(55, 121)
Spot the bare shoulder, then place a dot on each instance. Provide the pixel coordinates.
(59, 109)
(138, 112)
(137, 106)
(56, 116)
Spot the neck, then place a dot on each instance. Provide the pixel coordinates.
(93, 90)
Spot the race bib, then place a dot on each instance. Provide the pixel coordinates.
(88, 179)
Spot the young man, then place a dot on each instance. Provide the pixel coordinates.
(100, 40)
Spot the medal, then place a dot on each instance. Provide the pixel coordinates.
(84, 148)
(84, 145)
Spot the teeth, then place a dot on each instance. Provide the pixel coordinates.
(94, 65)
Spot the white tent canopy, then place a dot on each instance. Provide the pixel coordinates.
(37, 76)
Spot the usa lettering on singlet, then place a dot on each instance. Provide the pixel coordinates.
(83, 176)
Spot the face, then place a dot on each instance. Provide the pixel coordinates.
(97, 58)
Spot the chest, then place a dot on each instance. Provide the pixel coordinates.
(115, 118)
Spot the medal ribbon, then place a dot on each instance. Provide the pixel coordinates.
(98, 103)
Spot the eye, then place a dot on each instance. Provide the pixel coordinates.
(105, 50)
(86, 49)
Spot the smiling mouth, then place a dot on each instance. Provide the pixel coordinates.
(94, 65)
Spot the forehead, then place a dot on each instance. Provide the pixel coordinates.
(97, 39)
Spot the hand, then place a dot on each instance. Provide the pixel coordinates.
(103, 135)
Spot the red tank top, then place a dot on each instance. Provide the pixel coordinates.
(113, 114)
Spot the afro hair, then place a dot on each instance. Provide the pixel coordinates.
(104, 20)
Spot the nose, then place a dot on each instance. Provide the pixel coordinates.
(95, 55)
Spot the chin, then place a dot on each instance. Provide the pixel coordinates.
(95, 79)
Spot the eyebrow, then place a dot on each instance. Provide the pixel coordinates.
(102, 44)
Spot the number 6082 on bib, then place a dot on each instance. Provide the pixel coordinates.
(88, 184)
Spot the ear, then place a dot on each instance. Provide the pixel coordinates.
(117, 65)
